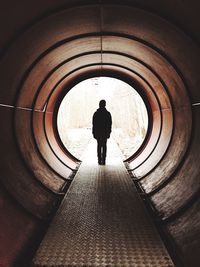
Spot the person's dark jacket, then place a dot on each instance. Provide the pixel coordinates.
(102, 123)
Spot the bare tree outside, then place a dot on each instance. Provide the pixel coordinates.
(130, 118)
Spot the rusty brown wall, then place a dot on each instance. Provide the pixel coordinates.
(46, 47)
(17, 230)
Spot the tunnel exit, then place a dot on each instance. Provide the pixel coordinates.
(129, 115)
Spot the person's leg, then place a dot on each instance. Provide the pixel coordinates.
(99, 150)
(104, 150)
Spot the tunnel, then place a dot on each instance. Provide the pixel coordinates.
(47, 47)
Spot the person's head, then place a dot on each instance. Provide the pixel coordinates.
(102, 103)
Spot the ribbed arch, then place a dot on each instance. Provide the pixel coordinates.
(80, 42)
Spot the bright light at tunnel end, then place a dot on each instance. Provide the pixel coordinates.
(129, 114)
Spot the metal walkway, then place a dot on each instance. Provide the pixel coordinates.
(102, 221)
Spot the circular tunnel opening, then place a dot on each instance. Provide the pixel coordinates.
(58, 51)
(130, 120)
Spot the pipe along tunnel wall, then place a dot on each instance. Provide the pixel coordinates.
(44, 62)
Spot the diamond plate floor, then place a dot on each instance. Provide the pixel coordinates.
(102, 221)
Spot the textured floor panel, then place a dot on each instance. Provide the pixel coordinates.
(102, 222)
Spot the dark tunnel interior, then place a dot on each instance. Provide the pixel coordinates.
(49, 46)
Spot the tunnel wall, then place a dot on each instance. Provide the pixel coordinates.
(18, 229)
(64, 44)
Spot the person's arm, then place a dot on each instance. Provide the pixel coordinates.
(94, 125)
(109, 125)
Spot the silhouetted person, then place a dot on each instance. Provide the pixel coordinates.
(102, 123)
